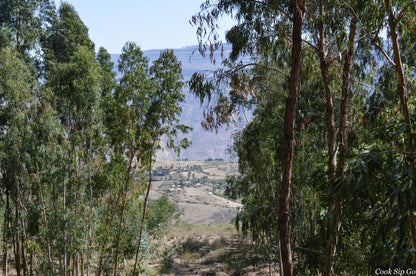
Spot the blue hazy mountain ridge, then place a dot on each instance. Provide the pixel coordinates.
(204, 144)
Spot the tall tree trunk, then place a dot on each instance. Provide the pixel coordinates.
(108, 221)
(146, 199)
(330, 121)
(334, 211)
(24, 259)
(120, 227)
(405, 201)
(50, 263)
(6, 234)
(17, 241)
(89, 222)
(82, 265)
(289, 140)
(63, 252)
(123, 208)
(402, 88)
(345, 95)
(325, 62)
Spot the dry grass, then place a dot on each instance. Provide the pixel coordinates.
(196, 200)
(202, 250)
(202, 231)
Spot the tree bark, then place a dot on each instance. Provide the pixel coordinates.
(108, 221)
(50, 263)
(345, 94)
(17, 238)
(289, 140)
(120, 226)
(405, 201)
(402, 88)
(146, 199)
(6, 235)
(325, 62)
(24, 259)
(89, 222)
(334, 211)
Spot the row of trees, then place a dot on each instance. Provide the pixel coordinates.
(76, 144)
(327, 165)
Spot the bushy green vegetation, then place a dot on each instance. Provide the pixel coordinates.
(77, 145)
(327, 163)
(159, 214)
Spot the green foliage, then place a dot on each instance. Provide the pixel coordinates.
(107, 77)
(65, 34)
(372, 191)
(75, 143)
(160, 213)
(23, 22)
(381, 184)
(76, 89)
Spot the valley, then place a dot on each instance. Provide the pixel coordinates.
(196, 188)
(202, 238)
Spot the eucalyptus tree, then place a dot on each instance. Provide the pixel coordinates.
(332, 38)
(25, 20)
(73, 141)
(127, 132)
(31, 160)
(377, 176)
(73, 79)
(390, 158)
(65, 33)
(162, 118)
(146, 107)
(77, 94)
(16, 99)
(393, 20)
(46, 163)
(263, 27)
(289, 139)
(108, 79)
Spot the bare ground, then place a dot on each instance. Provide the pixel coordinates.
(197, 202)
(209, 250)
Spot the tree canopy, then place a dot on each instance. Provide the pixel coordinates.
(345, 106)
(76, 144)
(326, 161)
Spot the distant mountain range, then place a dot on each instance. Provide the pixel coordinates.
(204, 144)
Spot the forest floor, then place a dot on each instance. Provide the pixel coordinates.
(207, 250)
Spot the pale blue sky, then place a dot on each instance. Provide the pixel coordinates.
(152, 24)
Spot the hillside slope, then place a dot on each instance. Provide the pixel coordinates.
(196, 188)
